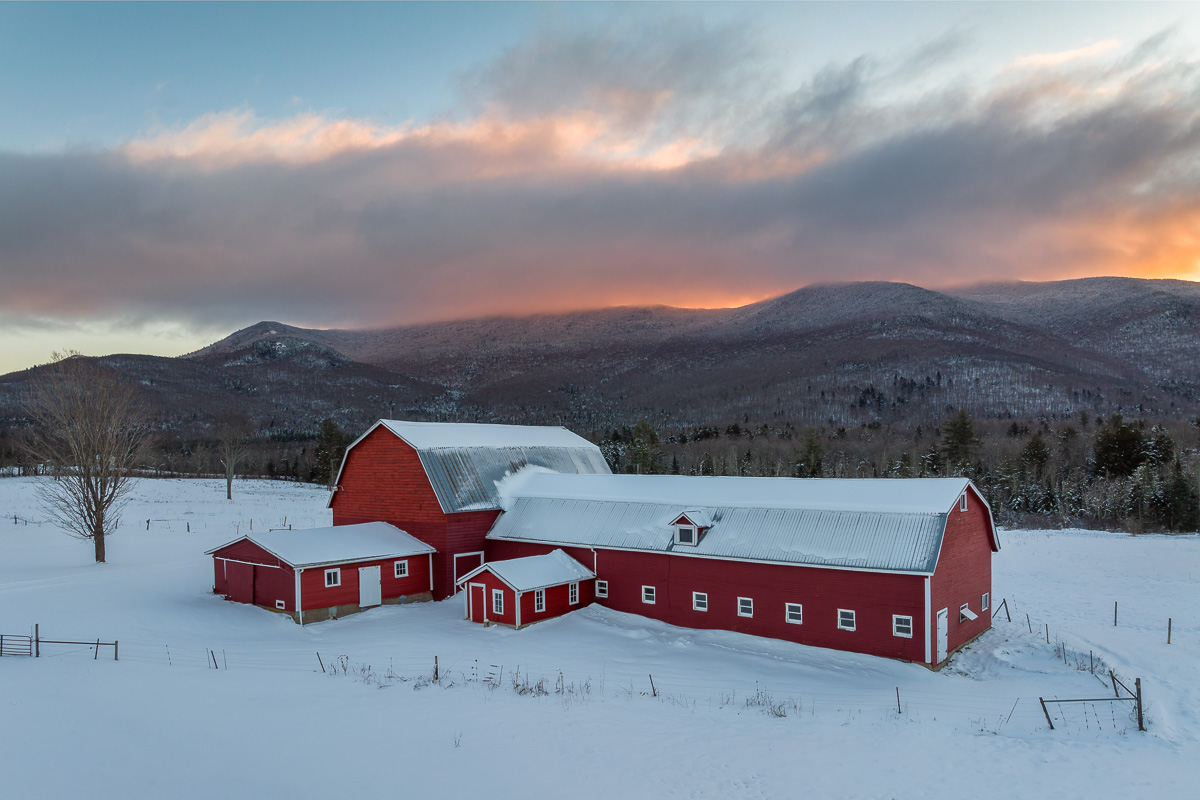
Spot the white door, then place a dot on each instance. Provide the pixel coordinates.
(370, 592)
(943, 634)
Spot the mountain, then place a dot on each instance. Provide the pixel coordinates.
(838, 355)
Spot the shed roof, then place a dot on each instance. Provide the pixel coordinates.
(880, 525)
(465, 461)
(535, 572)
(340, 544)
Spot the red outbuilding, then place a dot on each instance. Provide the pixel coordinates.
(319, 573)
(522, 591)
(438, 481)
(898, 568)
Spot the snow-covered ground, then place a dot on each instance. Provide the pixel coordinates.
(734, 716)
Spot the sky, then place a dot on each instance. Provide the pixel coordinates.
(170, 173)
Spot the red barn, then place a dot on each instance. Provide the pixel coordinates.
(320, 573)
(438, 481)
(522, 591)
(894, 568)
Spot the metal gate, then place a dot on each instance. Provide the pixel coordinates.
(16, 645)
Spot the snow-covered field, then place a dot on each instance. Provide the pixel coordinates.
(734, 716)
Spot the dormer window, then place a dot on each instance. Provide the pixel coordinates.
(685, 534)
(690, 526)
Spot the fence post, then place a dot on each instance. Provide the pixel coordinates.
(1049, 721)
(1114, 683)
(898, 711)
(116, 644)
(1137, 684)
(1168, 630)
(1114, 613)
(435, 669)
(37, 641)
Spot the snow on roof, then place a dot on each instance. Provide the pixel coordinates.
(339, 544)
(886, 525)
(466, 461)
(690, 492)
(535, 572)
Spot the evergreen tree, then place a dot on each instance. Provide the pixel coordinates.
(1118, 448)
(1035, 454)
(645, 456)
(809, 458)
(959, 441)
(331, 446)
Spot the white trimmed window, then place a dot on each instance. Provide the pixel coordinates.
(685, 534)
(601, 588)
(845, 619)
(795, 613)
(901, 626)
(745, 607)
(962, 502)
(573, 593)
(333, 577)
(648, 594)
(699, 601)
(401, 568)
(280, 605)
(987, 601)
(539, 600)
(497, 601)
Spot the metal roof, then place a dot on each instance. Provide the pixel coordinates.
(535, 572)
(367, 541)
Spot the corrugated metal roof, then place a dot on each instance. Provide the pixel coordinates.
(873, 540)
(466, 478)
(340, 544)
(535, 572)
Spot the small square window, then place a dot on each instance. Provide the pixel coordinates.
(333, 577)
(987, 601)
(745, 607)
(901, 626)
(648, 594)
(700, 601)
(280, 605)
(539, 600)
(401, 569)
(573, 593)
(962, 502)
(795, 613)
(685, 534)
(845, 619)
(601, 588)
(497, 601)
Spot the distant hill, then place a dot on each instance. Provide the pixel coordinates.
(835, 355)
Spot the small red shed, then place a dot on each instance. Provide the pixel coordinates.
(322, 573)
(522, 591)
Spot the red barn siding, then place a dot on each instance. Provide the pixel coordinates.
(491, 582)
(874, 597)
(558, 601)
(964, 572)
(247, 583)
(315, 594)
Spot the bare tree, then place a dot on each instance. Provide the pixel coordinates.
(232, 447)
(90, 430)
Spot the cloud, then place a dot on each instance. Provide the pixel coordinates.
(1057, 59)
(541, 201)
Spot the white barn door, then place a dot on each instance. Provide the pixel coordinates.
(370, 592)
(943, 634)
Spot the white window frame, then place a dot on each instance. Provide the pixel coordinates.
(743, 602)
(853, 620)
(648, 595)
(282, 606)
(896, 625)
(679, 535)
(333, 577)
(573, 594)
(400, 568)
(962, 502)
(787, 613)
(601, 588)
(539, 601)
(699, 601)
(965, 614)
(986, 603)
(498, 602)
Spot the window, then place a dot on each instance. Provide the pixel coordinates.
(573, 593)
(497, 601)
(700, 601)
(745, 607)
(402, 569)
(280, 605)
(648, 594)
(795, 613)
(539, 600)
(845, 619)
(685, 534)
(333, 577)
(601, 588)
(962, 502)
(987, 601)
(901, 626)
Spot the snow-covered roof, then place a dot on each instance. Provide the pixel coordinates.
(339, 544)
(465, 461)
(883, 525)
(535, 572)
